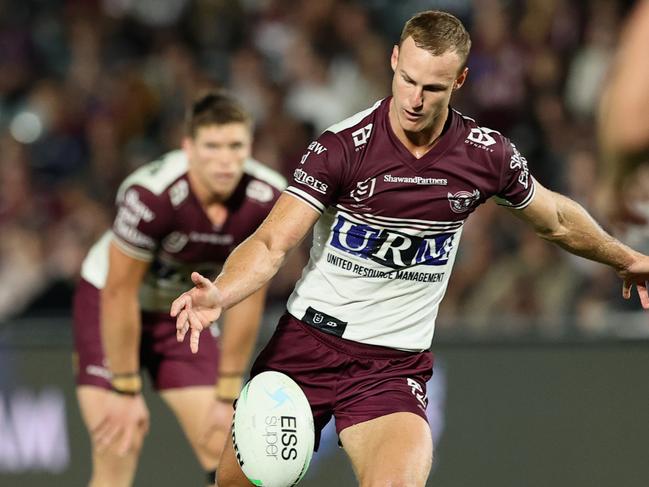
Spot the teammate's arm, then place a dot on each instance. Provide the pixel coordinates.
(249, 267)
(563, 221)
(120, 311)
(127, 417)
(238, 335)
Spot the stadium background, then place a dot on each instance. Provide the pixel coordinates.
(540, 378)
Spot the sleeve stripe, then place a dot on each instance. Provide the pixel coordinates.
(306, 197)
(528, 199)
(132, 251)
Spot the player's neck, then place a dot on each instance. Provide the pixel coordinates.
(418, 143)
(204, 195)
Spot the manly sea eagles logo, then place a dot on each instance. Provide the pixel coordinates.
(463, 201)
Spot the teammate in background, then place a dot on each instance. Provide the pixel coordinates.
(188, 210)
(388, 191)
(624, 115)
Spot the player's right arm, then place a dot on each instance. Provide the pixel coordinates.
(251, 265)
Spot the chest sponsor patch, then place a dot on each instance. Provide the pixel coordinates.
(393, 249)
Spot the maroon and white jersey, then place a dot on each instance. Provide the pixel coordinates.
(159, 219)
(384, 246)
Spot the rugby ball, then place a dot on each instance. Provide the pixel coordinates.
(272, 431)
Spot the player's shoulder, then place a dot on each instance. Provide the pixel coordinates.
(159, 176)
(356, 130)
(263, 184)
(479, 141)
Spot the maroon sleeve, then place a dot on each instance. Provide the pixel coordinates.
(319, 173)
(517, 185)
(141, 222)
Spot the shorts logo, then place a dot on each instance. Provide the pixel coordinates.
(364, 190)
(301, 177)
(463, 201)
(418, 392)
(390, 248)
(362, 135)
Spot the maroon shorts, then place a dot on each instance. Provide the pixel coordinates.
(352, 381)
(169, 363)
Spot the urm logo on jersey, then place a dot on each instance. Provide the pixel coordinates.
(391, 248)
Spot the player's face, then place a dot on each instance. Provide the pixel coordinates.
(216, 156)
(422, 84)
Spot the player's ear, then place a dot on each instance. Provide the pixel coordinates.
(187, 143)
(459, 81)
(394, 58)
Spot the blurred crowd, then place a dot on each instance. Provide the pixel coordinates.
(91, 89)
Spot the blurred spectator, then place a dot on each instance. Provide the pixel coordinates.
(92, 89)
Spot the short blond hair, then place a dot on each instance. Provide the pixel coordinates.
(438, 32)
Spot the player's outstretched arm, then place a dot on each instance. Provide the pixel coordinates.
(566, 223)
(249, 267)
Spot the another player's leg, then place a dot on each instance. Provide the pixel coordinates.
(230, 474)
(396, 449)
(191, 406)
(108, 468)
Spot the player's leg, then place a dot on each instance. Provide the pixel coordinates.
(230, 474)
(93, 389)
(108, 469)
(395, 450)
(186, 383)
(191, 406)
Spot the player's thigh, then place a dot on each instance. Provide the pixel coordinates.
(395, 450)
(230, 473)
(109, 469)
(191, 406)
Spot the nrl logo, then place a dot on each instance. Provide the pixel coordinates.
(463, 201)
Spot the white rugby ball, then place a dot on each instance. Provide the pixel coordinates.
(272, 431)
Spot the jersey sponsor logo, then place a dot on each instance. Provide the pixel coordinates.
(314, 146)
(260, 191)
(390, 248)
(480, 137)
(302, 177)
(519, 163)
(362, 135)
(175, 242)
(364, 189)
(179, 192)
(211, 238)
(463, 201)
(389, 178)
(137, 209)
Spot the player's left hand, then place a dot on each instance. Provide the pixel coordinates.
(196, 309)
(217, 423)
(636, 274)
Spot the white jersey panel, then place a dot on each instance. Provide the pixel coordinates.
(95, 266)
(382, 282)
